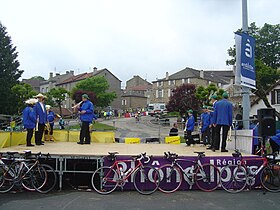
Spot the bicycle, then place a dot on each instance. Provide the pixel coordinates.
(205, 176)
(234, 178)
(107, 178)
(30, 174)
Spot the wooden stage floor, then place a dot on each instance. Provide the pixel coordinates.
(101, 149)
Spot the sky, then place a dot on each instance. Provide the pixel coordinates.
(128, 37)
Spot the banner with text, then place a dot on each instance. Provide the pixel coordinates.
(245, 60)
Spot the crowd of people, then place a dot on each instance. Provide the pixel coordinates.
(213, 120)
(39, 117)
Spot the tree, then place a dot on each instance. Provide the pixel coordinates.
(204, 94)
(58, 95)
(40, 78)
(98, 86)
(267, 57)
(22, 92)
(9, 73)
(182, 99)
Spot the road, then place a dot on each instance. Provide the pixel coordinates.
(128, 127)
(73, 200)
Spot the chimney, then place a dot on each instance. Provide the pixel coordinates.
(51, 75)
(67, 72)
(72, 72)
(57, 74)
(94, 69)
(167, 75)
(201, 74)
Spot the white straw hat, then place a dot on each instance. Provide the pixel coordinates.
(31, 101)
(40, 95)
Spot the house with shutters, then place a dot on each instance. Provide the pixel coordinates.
(137, 94)
(114, 85)
(273, 96)
(162, 88)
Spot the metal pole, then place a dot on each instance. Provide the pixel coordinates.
(245, 90)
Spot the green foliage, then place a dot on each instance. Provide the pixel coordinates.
(58, 95)
(40, 78)
(99, 86)
(22, 92)
(183, 98)
(204, 94)
(9, 73)
(266, 75)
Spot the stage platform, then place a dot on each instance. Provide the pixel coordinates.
(102, 149)
(71, 158)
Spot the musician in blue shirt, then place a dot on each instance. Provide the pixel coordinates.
(222, 119)
(205, 126)
(86, 115)
(189, 128)
(41, 117)
(29, 120)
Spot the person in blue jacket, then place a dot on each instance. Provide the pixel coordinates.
(212, 128)
(50, 123)
(222, 120)
(29, 120)
(86, 109)
(189, 128)
(205, 126)
(41, 117)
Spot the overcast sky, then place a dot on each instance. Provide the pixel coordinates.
(129, 37)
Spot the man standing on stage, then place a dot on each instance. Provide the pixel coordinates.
(189, 128)
(212, 128)
(86, 115)
(222, 119)
(41, 117)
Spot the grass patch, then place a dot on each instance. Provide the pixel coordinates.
(96, 126)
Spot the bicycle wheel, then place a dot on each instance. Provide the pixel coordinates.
(104, 180)
(26, 179)
(38, 177)
(233, 178)
(47, 184)
(270, 178)
(6, 179)
(207, 177)
(146, 180)
(170, 178)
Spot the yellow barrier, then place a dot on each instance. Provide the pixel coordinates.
(132, 140)
(172, 140)
(8, 139)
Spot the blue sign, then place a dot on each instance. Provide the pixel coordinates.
(247, 61)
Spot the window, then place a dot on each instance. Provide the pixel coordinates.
(277, 96)
(189, 80)
(159, 84)
(160, 93)
(123, 102)
(46, 89)
(42, 90)
(183, 81)
(169, 93)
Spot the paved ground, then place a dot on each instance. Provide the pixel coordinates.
(73, 200)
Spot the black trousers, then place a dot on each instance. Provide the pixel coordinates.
(51, 130)
(29, 135)
(218, 136)
(39, 133)
(206, 136)
(189, 138)
(84, 133)
(213, 131)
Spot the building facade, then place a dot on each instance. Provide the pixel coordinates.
(162, 88)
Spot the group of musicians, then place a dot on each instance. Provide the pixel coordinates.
(40, 117)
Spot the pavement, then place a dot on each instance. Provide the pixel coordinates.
(131, 200)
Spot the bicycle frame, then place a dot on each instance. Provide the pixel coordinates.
(252, 174)
(121, 179)
(189, 177)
